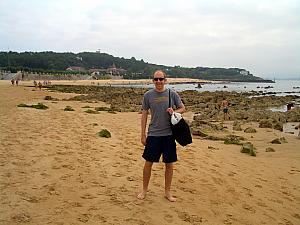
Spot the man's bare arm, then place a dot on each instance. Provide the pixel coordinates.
(181, 109)
(143, 126)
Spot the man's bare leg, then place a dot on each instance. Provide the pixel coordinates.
(168, 181)
(146, 178)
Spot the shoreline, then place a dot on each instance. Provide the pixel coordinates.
(117, 81)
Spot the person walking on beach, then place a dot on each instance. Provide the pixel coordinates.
(224, 106)
(35, 84)
(12, 82)
(159, 140)
(40, 85)
(298, 128)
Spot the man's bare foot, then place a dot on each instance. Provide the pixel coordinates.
(170, 198)
(141, 195)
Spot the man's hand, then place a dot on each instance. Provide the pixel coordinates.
(170, 111)
(143, 139)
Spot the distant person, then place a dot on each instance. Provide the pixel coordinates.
(35, 83)
(17, 82)
(224, 106)
(159, 139)
(12, 82)
(40, 85)
(289, 106)
(298, 127)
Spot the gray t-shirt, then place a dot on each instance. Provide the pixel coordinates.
(158, 102)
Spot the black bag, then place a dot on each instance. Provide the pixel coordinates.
(181, 131)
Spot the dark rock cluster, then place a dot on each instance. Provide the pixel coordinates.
(243, 107)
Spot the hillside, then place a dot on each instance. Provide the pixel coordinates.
(103, 63)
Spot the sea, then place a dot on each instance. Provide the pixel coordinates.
(279, 88)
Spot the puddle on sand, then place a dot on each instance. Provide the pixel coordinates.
(282, 108)
(290, 128)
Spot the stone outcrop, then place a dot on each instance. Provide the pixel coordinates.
(250, 130)
(248, 148)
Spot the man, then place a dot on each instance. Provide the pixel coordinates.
(159, 140)
(224, 106)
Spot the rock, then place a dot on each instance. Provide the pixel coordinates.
(214, 138)
(283, 140)
(276, 141)
(48, 97)
(265, 124)
(293, 115)
(237, 126)
(278, 126)
(248, 148)
(269, 149)
(250, 130)
(198, 132)
(213, 148)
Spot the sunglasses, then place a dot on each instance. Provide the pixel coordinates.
(158, 78)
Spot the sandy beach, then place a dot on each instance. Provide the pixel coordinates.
(55, 169)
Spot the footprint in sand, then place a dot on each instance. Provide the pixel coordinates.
(21, 218)
(75, 204)
(218, 180)
(229, 219)
(192, 219)
(190, 190)
(296, 215)
(87, 196)
(118, 175)
(168, 218)
(84, 218)
(100, 218)
(249, 208)
(27, 197)
(262, 204)
(231, 174)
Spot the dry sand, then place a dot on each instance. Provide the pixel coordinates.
(54, 169)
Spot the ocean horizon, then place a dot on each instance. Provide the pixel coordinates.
(279, 88)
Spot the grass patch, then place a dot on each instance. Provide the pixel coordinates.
(102, 109)
(37, 106)
(23, 105)
(69, 108)
(92, 111)
(111, 111)
(233, 139)
(104, 133)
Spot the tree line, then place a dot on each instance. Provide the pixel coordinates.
(57, 63)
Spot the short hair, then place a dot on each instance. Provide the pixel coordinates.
(160, 71)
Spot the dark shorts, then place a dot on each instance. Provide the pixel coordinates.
(155, 146)
(225, 110)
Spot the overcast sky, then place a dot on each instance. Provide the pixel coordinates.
(262, 36)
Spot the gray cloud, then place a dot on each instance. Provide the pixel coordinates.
(260, 36)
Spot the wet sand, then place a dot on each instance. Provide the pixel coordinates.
(119, 81)
(54, 169)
